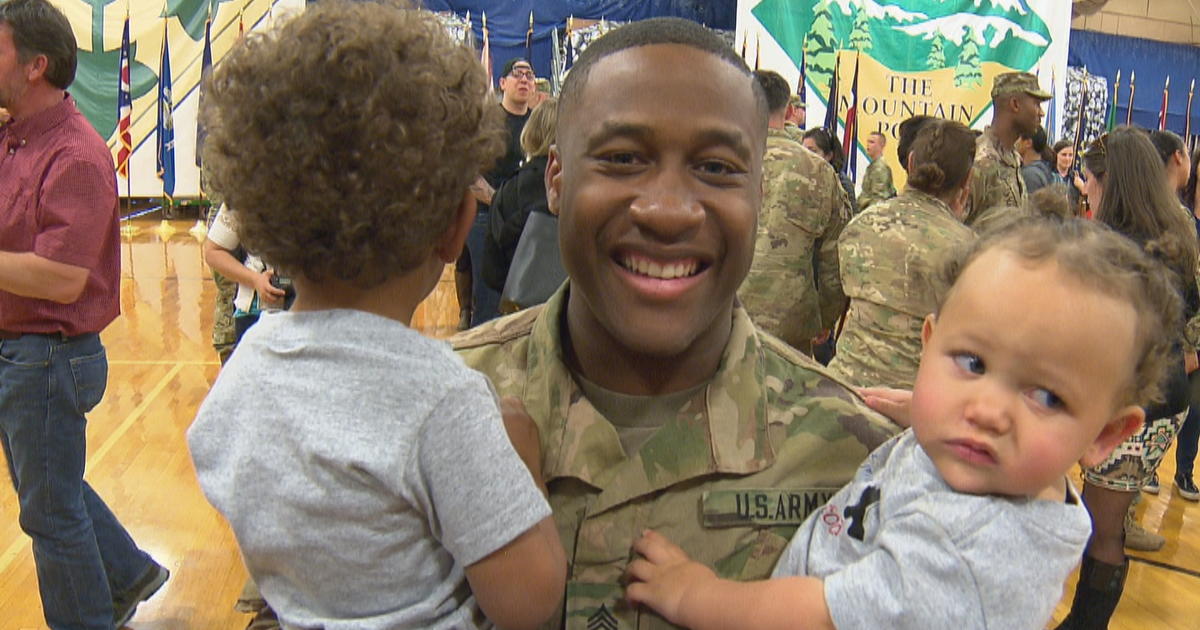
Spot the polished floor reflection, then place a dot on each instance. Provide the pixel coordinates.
(161, 366)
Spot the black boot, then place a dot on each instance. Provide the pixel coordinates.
(1097, 594)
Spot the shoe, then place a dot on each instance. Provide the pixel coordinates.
(1097, 594)
(1151, 486)
(1187, 488)
(1139, 539)
(125, 604)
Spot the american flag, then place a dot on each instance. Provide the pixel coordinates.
(124, 106)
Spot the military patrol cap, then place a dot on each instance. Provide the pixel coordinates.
(794, 101)
(1018, 83)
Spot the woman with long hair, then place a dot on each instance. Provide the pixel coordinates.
(820, 141)
(1125, 187)
(890, 255)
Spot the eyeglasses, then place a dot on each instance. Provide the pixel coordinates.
(518, 73)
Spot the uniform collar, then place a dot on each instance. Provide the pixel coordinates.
(928, 200)
(722, 430)
(1007, 155)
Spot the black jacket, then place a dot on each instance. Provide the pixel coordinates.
(521, 194)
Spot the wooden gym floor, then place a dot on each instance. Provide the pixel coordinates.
(161, 364)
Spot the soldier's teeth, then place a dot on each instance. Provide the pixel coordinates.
(653, 269)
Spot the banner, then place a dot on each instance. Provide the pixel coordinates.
(98, 27)
(930, 57)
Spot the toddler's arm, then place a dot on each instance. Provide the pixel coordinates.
(689, 594)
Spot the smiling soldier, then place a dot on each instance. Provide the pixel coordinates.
(658, 403)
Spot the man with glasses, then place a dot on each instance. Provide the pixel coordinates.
(477, 301)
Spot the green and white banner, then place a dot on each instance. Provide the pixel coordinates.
(931, 57)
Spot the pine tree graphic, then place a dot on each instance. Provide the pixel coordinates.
(860, 36)
(820, 46)
(968, 74)
(937, 52)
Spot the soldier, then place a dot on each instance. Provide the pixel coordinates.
(1016, 110)
(794, 118)
(793, 290)
(658, 402)
(891, 255)
(877, 183)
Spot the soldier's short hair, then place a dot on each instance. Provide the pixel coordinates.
(776, 89)
(1103, 261)
(346, 161)
(664, 30)
(882, 136)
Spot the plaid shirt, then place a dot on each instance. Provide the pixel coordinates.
(58, 199)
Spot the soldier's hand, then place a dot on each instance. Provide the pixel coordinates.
(664, 577)
(523, 433)
(894, 403)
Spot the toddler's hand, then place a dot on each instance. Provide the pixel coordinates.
(664, 577)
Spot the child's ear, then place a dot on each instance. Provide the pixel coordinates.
(1127, 422)
(451, 243)
(927, 330)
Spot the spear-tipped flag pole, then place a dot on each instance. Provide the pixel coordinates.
(801, 89)
(1129, 113)
(241, 22)
(1052, 109)
(124, 108)
(1187, 124)
(831, 106)
(849, 139)
(757, 51)
(166, 125)
(485, 56)
(1112, 107)
(206, 69)
(745, 38)
(529, 37)
(1162, 111)
(1080, 124)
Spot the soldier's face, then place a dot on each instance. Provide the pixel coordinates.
(1029, 114)
(874, 146)
(657, 178)
(1013, 388)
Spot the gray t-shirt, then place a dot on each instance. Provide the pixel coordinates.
(362, 466)
(899, 548)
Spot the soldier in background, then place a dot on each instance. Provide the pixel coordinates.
(877, 182)
(658, 403)
(891, 255)
(795, 117)
(1016, 110)
(793, 290)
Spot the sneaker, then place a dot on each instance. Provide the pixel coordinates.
(1139, 539)
(1187, 488)
(1151, 486)
(125, 604)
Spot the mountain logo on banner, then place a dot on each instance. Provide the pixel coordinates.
(909, 35)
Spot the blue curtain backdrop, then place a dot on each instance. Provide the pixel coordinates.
(508, 20)
(1104, 54)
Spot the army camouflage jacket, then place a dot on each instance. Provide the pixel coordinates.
(996, 179)
(793, 289)
(891, 258)
(877, 184)
(729, 478)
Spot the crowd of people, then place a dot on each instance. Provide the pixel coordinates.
(652, 438)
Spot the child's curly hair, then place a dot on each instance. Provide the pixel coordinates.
(1104, 261)
(346, 139)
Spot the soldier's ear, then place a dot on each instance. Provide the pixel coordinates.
(554, 181)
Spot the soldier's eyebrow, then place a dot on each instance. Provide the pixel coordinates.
(728, 136)
(609, 130)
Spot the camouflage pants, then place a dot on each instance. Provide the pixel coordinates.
(223, 335)
(1133, 461)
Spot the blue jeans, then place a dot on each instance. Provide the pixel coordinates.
(485, 301)
(1189, 433)
(82, 553)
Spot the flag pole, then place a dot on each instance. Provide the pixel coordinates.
(1132, 90)
(1187, 127)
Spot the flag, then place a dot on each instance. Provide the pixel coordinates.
(1051, 111)
(529, 37)
(124, 106)
(1129, 112)
(166, 123)
(1080, 124)
(831, 106)
(757, 50)
(850, 138)
(801, 89)
(485, 56)
(241, 23)
(205, 77)
(1162, 111)
(1112, 107)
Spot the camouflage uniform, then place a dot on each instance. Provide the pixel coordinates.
(729, 478)
(996, 179)
(877, 184)
(224, 334)
(794, 132)
(891, 259)
(793, 290)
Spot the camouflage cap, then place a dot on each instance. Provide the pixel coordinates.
(1017, 83)
(794, 101)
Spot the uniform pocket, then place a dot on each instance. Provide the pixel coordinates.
(90, 373)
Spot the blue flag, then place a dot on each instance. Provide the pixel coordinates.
(205, 77)
(166, 123)
(831, 108)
